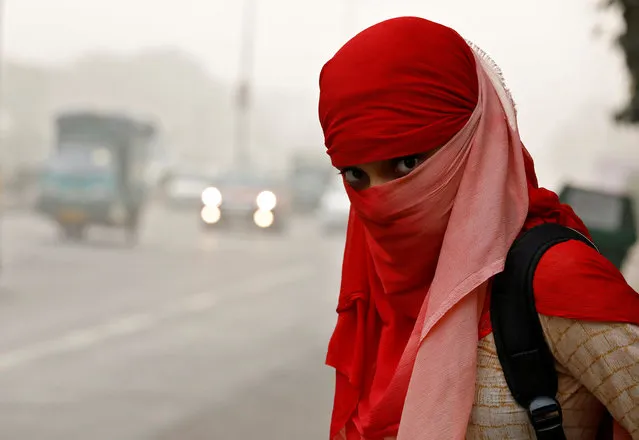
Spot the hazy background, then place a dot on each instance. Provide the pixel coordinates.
(190, 331)
(558, 57)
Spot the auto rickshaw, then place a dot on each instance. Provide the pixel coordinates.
(96, 175)
(609, 216)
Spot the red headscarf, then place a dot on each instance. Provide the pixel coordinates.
(402, 87)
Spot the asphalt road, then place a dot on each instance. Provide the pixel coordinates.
(190, 335)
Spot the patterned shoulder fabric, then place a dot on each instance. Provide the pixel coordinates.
(604, 357)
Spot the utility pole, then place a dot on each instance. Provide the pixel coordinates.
(2, 134)
(244, 88)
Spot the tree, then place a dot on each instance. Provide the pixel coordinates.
(629, 43)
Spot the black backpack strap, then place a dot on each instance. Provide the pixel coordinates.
(527, 362)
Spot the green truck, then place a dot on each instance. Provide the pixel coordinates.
(97, 173)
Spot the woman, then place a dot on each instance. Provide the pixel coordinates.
(425, 135)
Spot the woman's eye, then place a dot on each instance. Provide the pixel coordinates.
(407, 164)
(355, 177)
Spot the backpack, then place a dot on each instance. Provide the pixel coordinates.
(524, 355)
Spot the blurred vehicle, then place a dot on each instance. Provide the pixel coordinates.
(98, 173)
(609, 216)
(334, 208)
(309, 176)
(184, 190)
(242, 199)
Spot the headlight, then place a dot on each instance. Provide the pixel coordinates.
(263, 219)
(210, 214)
(212, 197)
(266, 201)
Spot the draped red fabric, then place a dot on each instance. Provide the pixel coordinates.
(406, 86)
(395, 89)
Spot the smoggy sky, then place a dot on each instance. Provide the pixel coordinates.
(552, 60)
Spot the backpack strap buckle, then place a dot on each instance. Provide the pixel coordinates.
(546, 416)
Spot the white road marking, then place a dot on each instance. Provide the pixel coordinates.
(17, 357)
(77, 340)
(200, 302)
(129, 324)
(84, 339)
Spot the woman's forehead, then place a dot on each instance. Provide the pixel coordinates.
(375, 165)
(378, 164)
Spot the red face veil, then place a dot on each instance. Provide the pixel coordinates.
(420, 250)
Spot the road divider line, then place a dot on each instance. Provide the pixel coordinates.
(128, 325)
